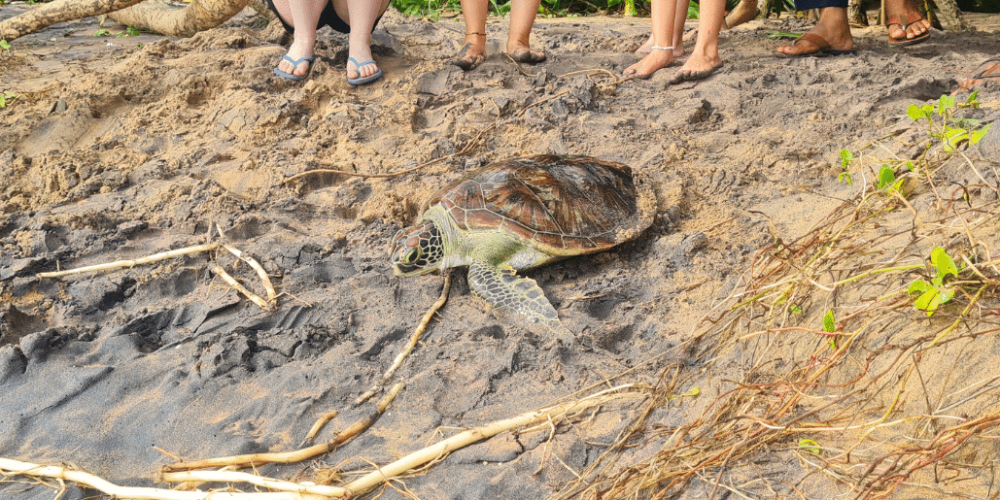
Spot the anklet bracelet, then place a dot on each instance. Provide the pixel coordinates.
(657, 47)
(475, 33)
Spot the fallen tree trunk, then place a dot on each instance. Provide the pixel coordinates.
(150, 15)
(159, 17)
(55, 12)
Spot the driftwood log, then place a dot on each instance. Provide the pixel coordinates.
(149, 15)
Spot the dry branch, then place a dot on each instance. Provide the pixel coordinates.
(14, 467)
(258, 459)
(132, 262)
(471, 436)
(411, 344)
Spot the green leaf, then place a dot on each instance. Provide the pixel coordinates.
(846, 155)
(829, 324)
(885, 177)
(971, 101)
(945, 103)
(910, 166)
(953, 137)
(915, 113)
(833, 344)
(927, 109)
(918, 286)
(978, 135)
(809, 445)
(845, 177)
(943, 262)
(924, 301)
(795, 309)
(4, 45)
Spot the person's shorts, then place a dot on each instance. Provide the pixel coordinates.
(329, 18)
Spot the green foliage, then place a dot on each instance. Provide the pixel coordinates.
(935, 292)
(4, 45)
(951, 132)
(782, 35)
(829, 324)
(887, 179)
(809, 445)
(846, 157)
(432, 9)
(7, 97)
(694, 11)
(102, 33)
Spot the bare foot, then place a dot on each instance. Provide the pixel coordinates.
(988, 71)
(521, 52)
(473, 52)
(697, 67)
(653, 62)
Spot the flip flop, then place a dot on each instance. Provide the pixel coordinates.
(466, 65)
(982, 74)
(823, 47)
(363, 80)
(527, 56)
(295, 64)
(911, 18)
(690, 76)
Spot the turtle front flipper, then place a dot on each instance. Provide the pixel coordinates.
(507, 291)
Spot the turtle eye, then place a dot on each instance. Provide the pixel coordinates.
(411, 256)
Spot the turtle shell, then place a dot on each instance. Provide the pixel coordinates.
(560, 205)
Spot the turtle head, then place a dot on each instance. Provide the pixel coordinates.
(417, 250)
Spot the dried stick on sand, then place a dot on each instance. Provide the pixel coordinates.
(244, 477)
(267, 305)
(14, 467)
(411, 344)
(292, 456)
(471, 436)
(294, 491)
(318, 426)
(263, 304)
(132, 262)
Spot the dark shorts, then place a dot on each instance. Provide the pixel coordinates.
(819, 4)
(329, 18)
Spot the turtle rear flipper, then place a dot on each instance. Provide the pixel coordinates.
(507, 291)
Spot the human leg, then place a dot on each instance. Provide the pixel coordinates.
(661, 53)
(746, 10)
(704, 58)
(914, 30)
(361, 16)
(680, 16)
(302, 16)
(522, 18)
(830, 35)
(474, 49)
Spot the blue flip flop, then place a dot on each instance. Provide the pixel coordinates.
(295, 64)
(367, 79)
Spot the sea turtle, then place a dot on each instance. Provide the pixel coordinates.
(521, 213)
